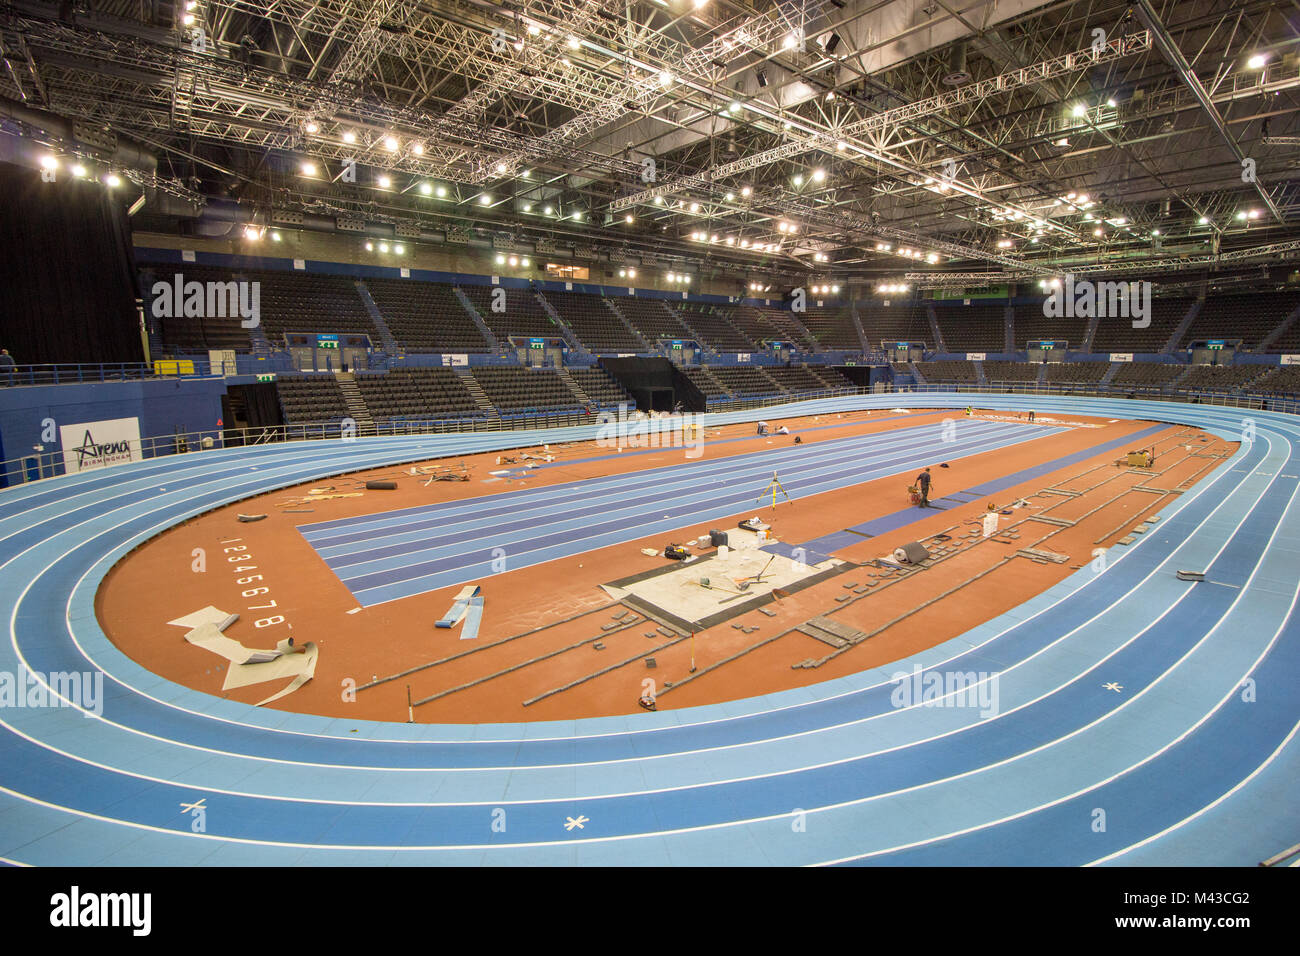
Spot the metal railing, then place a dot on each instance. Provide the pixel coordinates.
(71, 374)
(46, 464)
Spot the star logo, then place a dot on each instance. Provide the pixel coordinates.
(1113, 686)
(191, 807)
(575, 822)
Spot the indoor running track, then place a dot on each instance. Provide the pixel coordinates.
(1185, 766)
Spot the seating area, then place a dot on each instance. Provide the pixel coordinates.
(310, 302)
(833, 328)
(1146, 375)
(1118, 334)
(311, 398)
(1221, 378)
(895, 323)
(426, 316)
(744, 381)
(962, 373)
(1031, 325)
(1282, 380)
(523, 315)
(713, 327)
(514, 389)
(1249, 317)
(796, 378)
(972, 328)
(1076, 373)
(594, 323)
(702, 379)
(1011, 372)
(416, 393)
(652, 319)
(195, 332)
(830, 377)
(601, 387)
(767, 323)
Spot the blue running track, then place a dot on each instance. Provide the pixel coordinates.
(1169, 706)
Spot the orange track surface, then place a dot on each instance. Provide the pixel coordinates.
(157, 583)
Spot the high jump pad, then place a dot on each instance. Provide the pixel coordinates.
(674, 596)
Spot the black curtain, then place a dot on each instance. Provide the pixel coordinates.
(261, 404)
(69, 285)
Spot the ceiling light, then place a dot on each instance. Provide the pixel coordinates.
(390, 143)
(383, 247)
(665, 78)
(524, 262)
(745, 191)
(417, 149)
(798, 180)
(308, 169)
(547, 211)
(312, 127)
(501, 260)
(819, 175)
(629, 219)
(1203, 221)
(442, 192)
(79, 171)
(113, 180)
(349, 137)
(425, 189)
(1257, 61)
(514, 261)
(528, 207)
(1080, 110)
(370, 247)
(574, 43)
(399, 248)
(384, 182)
(485, 199)
(49, 162)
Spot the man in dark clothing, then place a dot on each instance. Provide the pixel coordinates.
(6, 367)
(1031, 414)
(923, 483)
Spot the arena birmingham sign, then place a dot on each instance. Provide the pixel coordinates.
(98, 444)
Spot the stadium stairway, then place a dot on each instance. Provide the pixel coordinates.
(1009, 328)
(485, 408)
(980, 377)
(358, 411)
(569, 335)
(1183, 326)
(916, 374)
(377, 317)
(706, 349)
(1091, 334)
(1110, 372)
(482, 326)
(577, 390)
(935, 330)
(1267, 341)
(1042, 374)
(857, 325)
(646, 344)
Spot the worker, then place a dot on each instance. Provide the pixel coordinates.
(762, 428)
(923, 483)
(782, 430)
(1031, 414)
(969, 411)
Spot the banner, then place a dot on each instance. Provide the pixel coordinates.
(1121, 356)
(99, 444)
(975, 356)
(1291, 359)
(455, 359)
(221, 362)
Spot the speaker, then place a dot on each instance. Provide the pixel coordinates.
(717, 537)
(911, 553)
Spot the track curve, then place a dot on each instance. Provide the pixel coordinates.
(1066, 772)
